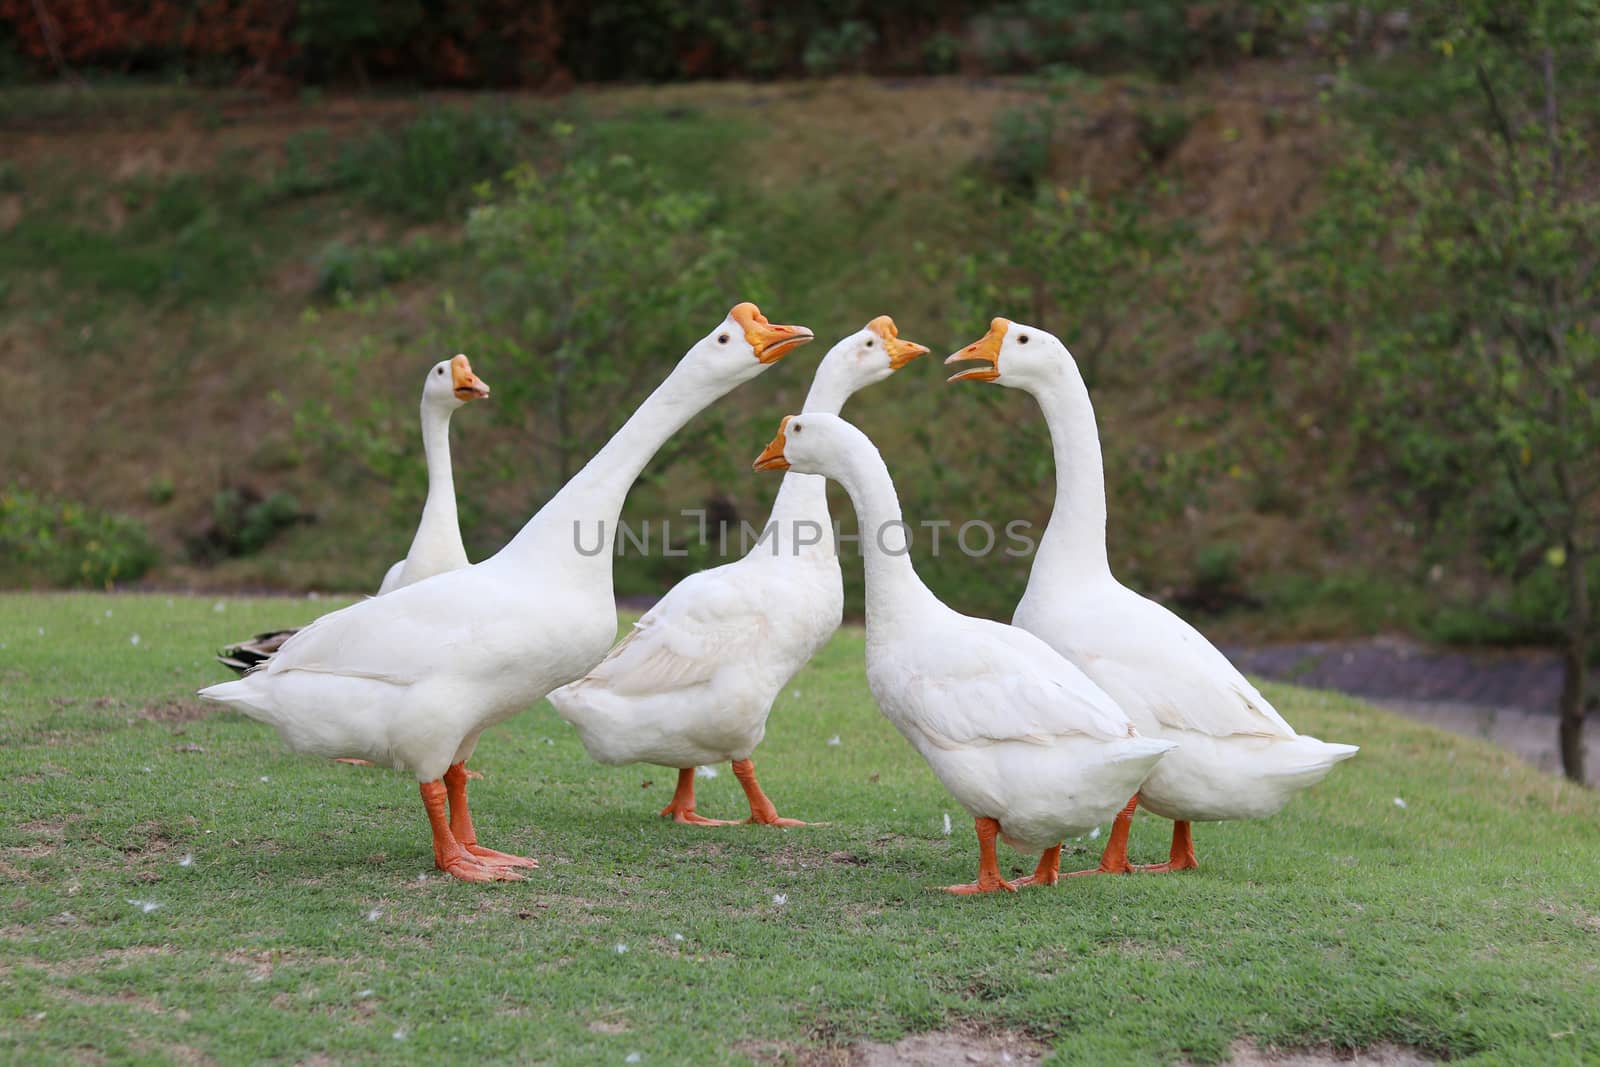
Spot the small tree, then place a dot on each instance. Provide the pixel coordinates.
(592, 281)
(1466, 282)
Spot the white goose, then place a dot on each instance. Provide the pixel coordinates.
(411, 679)
(1030, 747)
(694, 681)
(437, 546)
(1237, 757)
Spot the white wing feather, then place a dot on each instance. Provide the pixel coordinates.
(706, 621)
(1145, 654)
(999, 684)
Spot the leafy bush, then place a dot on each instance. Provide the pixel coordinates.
(1019, 152)
(344, 270)
(68, 543)
(428, 167)
(593, 280)
(1169, 37)
(842, 48)
(423, 170)
(1162, 128)
(589, 281)
(243, 523)
(941, 54)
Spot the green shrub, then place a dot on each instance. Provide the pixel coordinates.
(68, 543)
(423, 170)
(941, 54)
(1019, 152)
(243, 523)
(344, 270)
(842, 48)
(1162, 128)
(427, 168)
(577, 269)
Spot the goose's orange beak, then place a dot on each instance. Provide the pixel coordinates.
(772, 458)
(900, 351)
(468, 386)
(987, 349)
(770, 343)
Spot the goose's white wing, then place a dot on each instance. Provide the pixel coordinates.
(708, 620)
(991, 683)
(1143, 652)
(402, 636)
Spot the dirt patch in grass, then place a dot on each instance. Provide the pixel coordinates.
(111, 958)
(125, 999)
(960, 1047)
(1128, 948)
(180, 710)
(1247, 1054)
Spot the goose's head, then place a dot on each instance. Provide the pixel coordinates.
(745, 344)
(812, 443)
(1011, 354)
(871, 354)
(451, 383)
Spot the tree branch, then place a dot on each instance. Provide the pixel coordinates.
(1501, 123)
(1552, 123)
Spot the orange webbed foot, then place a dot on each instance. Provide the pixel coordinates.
(982, 885)
(779, 821)
(1106, 868)
(989, 880)
(467, 869)
(1114, 860)
(490, 858)
(1048, 872)
(1181, 855)
(762, 810)
(688, 817)
(681, 810)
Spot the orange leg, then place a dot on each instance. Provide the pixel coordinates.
(682, 807)
(1049, 870)
(353, 762)
(448, 854)
(1114, 860)
(455, 783)
(1181, 855)
(761, 809)
(989, 880)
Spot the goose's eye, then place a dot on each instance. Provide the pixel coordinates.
(439, 371)
(869, 344)
(722, 340)
(1022, 340)
(797, 427)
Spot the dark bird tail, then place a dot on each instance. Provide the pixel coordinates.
(248, 655)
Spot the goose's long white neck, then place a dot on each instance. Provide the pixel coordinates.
(893, 589)
(439, 529)
(580, 521)
(803, 498)
(1075, 541)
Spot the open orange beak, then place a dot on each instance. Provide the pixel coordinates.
(987, 349)
(468, 386)
(772, 458)
(900, 352)
(770, 343)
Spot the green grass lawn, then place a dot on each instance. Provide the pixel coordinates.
(293, 913)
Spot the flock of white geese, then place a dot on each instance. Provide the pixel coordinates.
(1042, 729)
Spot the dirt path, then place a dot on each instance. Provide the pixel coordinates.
(1508, 698)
